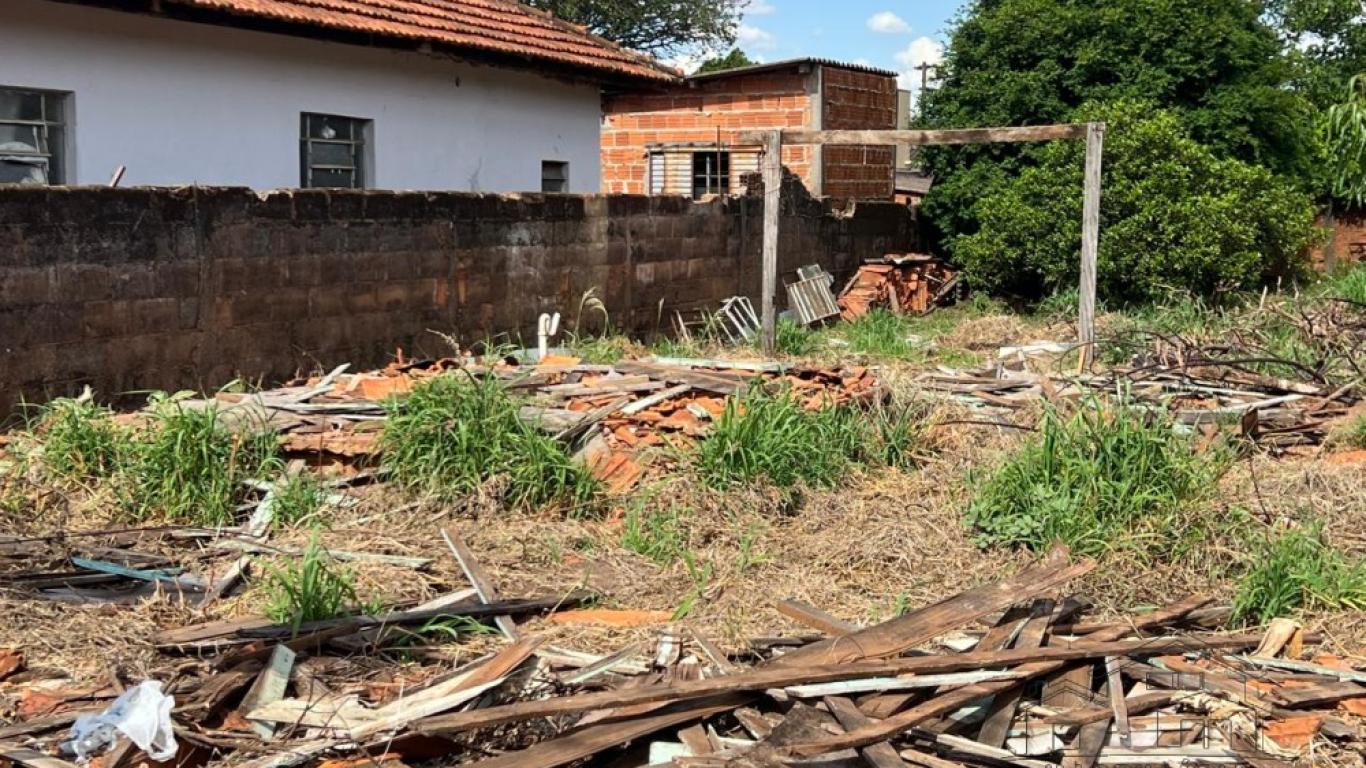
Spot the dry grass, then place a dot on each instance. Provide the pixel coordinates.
(882, 541)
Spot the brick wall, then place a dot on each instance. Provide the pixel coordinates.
(1347, 237)
(713, 109)
(858, 101)
(135, 289)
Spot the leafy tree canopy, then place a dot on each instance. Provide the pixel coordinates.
(733, 60)
(1175, 215)
(1346, 144)
(657, 27)
(1327, 41)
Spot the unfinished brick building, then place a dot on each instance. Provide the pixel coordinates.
(683, 139)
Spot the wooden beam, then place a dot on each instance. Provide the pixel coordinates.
(773, 200)
(1090, 241)
(928, 138)
(483, 585)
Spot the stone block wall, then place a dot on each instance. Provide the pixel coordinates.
(135, 289)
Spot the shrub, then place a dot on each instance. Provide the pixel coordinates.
(80, 439)
(1098, 480)
(1298, 570)
(308, 588)
(190, 468)
(1174, 215)
(455, 432)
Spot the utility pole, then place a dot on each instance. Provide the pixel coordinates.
(925, 67)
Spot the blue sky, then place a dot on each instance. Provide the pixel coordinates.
(892, 34)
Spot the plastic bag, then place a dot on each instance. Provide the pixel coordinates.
(143, 714)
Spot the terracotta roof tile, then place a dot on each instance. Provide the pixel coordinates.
(497, 26)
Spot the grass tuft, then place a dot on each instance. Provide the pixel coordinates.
(455, 432)
(309, 588)
(1098, 481)
(1350, 285)
(656, 533)
(795, 340)
(189, 468)
(1298, 569)
(880, 334)
(80, 439)
(298, 499)
(1351, 434)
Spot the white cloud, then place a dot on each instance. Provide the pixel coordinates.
(753, 38)
(922, 50)
(888, 23)
(760, 8)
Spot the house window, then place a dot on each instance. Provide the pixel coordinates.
(710, 174)
(333, 151)
(554, 176)
(32, 136)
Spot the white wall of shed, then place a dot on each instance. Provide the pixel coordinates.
(186, 103)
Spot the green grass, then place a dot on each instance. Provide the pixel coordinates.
(309, 588)
(298, 499)
(654, 530)
(1351, 434)
(189, 468)
(599, 350)
(769, 435)
(881, 334)
(1298, 570)
(795, 340)
(456, 432)
(1099, 480)
(80, 439)
(1350, 285)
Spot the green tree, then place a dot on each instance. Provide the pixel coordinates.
(1174, 215)
(656, 27)
(733, 60)
(1346, 142)
(1326, 39)
(1219, 65)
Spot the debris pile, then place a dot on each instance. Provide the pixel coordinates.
(1000, 674)
(904, 284)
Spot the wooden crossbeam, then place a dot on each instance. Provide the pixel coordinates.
(927, 138)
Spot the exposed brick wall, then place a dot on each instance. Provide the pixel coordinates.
(135, 289)
(685, 114)
(1348, 238)
(858, 101)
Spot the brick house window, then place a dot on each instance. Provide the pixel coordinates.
(554, 176)
(693, 170)
(32, 136)
(334, 151)
(710, 174)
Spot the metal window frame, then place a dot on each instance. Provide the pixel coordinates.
(357, 146)
(716, 181)
(663, 176)
(53, 159)
(563, 181)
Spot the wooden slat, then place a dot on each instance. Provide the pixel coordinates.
(813, 617)
(269, 687)
(929, 138)
(1001, 714)
(1033, 663)
(900, 634)
(879, 755)
(479, 579)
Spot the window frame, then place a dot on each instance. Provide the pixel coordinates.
(359, 144)
(53, 132)
(563, 167)
(713, 181)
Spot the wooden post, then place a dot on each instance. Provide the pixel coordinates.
(1090, 242)
(773, 183)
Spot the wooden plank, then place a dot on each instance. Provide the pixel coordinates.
(930, 138)
(1031, 661)
(1345, 675)
(224, 584)
(901, 634)
(269, 687)
(1001, 714)
(1115, 689)
(589, 741)
(34, 759)
(479, 579)
(879, 755)
(967, 695)
(114, 569)
(813, 617)
(1090, 242)
(655, 399)
(241, 545)
(773, 188)
(1091, 739)
(909, 682)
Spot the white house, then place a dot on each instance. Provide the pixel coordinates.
(477, 95)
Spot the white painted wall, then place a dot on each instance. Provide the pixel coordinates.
(182, 103)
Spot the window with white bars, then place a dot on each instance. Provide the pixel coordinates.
(33, 136)
(333, 151)
(696, 171)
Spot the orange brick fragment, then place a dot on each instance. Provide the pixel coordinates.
(1294, 732)
(11, 661)
(1354, 706)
